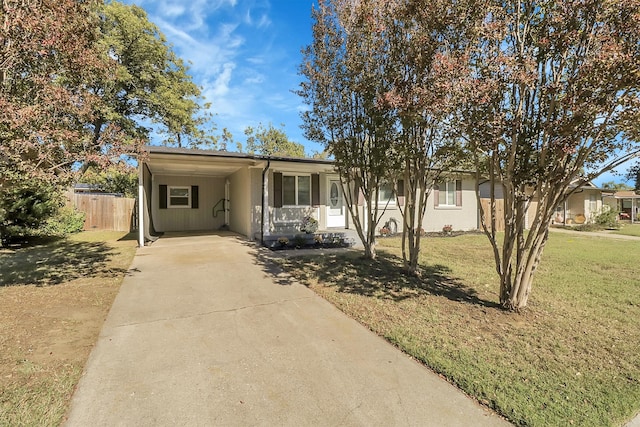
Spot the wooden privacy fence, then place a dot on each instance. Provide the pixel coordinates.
(486, 207)
(106, 211)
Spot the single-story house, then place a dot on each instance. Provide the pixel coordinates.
(626, 202)
(257, 196)
(581, 206)
(263, 197)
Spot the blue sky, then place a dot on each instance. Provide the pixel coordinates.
(244, 54)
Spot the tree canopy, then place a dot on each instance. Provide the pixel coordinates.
(48, 54)
(345, 70)
(269, 141)
(82, 83)
(633, 174)
(149, 82)
(542, 95)
(551, 101)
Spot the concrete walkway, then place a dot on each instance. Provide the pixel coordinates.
(605, 234)
(204, 333)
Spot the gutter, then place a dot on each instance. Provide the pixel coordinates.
(264, 174)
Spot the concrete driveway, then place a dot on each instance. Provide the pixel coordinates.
(204, 333)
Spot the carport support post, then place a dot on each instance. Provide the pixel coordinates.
(265, 202)
(141, 204)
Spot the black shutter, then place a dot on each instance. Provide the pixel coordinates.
(194, 197)
(400, 191)
(162, 197)
(277, 190)
(458, 192)
(315, 189)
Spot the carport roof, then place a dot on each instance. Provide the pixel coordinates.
(186, 161)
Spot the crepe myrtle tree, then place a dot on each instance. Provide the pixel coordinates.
(551, 102)
(345, 70)
(427, 44)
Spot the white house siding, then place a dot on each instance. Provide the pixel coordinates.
(287, 219)
(463, 217)
(255, 190)
(210, 191)
(240, 208)
(579, 203)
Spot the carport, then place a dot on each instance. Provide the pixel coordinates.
(194, 190)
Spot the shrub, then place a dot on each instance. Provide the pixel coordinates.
(24, 207)
(309, 225)
(607, 218)
(300, 240)
(67, 220)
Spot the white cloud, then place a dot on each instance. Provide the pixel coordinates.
(221, 84)
(264, 21)
(172, 10)
(240, 54)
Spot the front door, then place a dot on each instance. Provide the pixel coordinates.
(335, 205)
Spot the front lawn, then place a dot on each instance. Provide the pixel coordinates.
(53, 301)
(572, 358)
(629, 230)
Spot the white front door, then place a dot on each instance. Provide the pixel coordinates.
(335, 205)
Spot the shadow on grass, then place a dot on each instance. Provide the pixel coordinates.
(56, 263)
(383, 277)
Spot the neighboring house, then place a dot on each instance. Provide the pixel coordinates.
(580, 207)
(257, 196)
(625, 202)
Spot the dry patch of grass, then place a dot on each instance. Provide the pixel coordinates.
(570, 359)
(53, 301)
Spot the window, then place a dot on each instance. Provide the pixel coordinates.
(593, 203)
(385, 194)
(448, 194)
(179, 197)
(296, 190)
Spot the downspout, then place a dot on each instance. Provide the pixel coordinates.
(141, 203)
(264, 174)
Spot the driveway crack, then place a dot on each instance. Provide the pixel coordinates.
(207, 313)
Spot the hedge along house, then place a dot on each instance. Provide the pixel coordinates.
(185, 190)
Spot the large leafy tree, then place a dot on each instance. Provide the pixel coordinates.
(48, 54)
(82, 83)
(552, 101)
(150, 85)
(346, 71)
(269, 141)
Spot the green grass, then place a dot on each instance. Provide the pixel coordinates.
(571, 358)
(629, 230)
